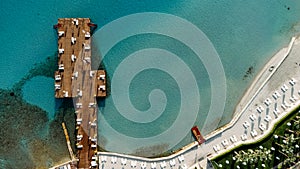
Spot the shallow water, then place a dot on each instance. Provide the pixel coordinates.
(244, 34)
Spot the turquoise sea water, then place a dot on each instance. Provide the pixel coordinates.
(33, 93)
(244, 34)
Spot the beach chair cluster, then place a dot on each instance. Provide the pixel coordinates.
(130, 162)
(264, 114)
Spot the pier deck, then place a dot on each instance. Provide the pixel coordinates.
(76, 79)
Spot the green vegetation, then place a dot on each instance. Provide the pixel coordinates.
(279, 149)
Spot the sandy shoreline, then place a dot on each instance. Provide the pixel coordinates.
(264, 73)
(258, 83)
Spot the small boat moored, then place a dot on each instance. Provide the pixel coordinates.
(197, 135)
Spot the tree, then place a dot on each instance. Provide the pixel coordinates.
(251, 157)
(287, 149)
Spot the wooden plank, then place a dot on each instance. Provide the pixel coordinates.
(80, 82)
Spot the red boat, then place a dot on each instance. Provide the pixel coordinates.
(197, 135)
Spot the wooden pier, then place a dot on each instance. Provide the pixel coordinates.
(76, 79)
